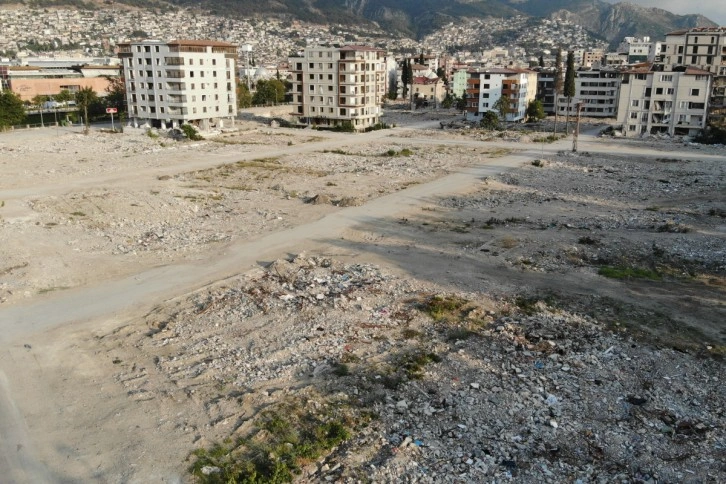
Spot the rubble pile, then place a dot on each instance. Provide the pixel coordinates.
(532, 393)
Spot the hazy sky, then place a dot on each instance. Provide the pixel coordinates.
(713, 9)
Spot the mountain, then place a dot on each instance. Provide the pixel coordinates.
(613, 22)
(416, 18)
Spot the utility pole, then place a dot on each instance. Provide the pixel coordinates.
(576, 133)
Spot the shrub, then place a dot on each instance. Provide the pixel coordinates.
(190, 132)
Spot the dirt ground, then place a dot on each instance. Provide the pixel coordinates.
(224, 277)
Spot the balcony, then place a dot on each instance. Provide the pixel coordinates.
(176, 100)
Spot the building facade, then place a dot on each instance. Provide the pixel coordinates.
(702, 48)
(332, 86)
(674, 103)
(597, 90)
(428, 91)
(183, 81)
(485, 88)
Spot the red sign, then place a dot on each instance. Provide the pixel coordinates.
(111, 110)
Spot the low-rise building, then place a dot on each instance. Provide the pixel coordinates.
(30, 81)
(183, 81)
(428, 91)
(674, 102)
(334, 86)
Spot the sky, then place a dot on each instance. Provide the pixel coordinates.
(713, 9)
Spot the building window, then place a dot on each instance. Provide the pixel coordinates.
(214, 62)
(666, 78)
(635, 103)
(695, 92)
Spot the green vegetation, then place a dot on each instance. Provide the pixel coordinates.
(624, 272)
(12, 111)
(287, 437)
(403, 152)
(535, 110)
(85, 98)
(191, 132)
(489, 121)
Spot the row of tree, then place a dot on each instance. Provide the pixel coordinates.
(13, 110)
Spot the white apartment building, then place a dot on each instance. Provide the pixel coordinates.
(674, 102)
(639, 50)
(703, 48)
(332, 86)
(597, 90)
(183, 81)
(484, 88)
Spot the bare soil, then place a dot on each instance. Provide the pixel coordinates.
(314, 249)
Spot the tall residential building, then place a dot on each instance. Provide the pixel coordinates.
(597, 90)
(485, 88)
(674, 102)
(183, 81)
(333, 86)
(703, 48)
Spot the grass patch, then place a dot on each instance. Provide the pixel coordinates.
(78, 214)
(403, 152)
(413, 364)
(441, 307)
(673, 228)
(546, 139)
(507, 242)
(623, 272)
(286, 438)
(46, 290)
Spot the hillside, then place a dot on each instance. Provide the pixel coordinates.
(417, 18)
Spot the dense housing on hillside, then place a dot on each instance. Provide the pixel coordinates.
(333, 87)
(184, 81)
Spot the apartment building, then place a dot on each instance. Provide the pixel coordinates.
(546, 88)
(485, 88)
(673, 102)
(597, 90)
(702, 48)
(332, 86)
(183, 81)
(639, 49)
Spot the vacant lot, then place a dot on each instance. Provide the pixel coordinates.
(467, 321)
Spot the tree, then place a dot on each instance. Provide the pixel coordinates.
(569, 85)
(441, 74)
(535, 110)
(11, 109)
(405, 76)
(558, 86)
(63, 96)
(421, 59)
(269, 92)
(116, 93)
(392, 87)
(84, 99)
(244, 98)
(461, 103)
(489, 121)
(502, 107)
(541, 61)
